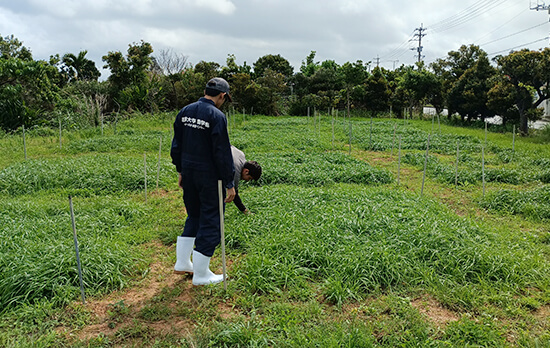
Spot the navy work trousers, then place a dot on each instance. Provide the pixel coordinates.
(200, 195)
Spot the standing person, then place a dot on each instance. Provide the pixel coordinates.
(244, 170)
(202, 155)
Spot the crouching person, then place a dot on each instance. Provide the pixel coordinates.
(244, 170)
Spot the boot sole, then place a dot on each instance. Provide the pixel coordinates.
(183, 272)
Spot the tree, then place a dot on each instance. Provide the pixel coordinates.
(274, 63)
(130, 74)
(271, 86)
(80, 68)
(501, 101)
(529, 73)
(169, 62)
(468, 95)
(449, 70)
(377, 96)
(232, 69)
(11, 47)
(207, 69)
(309, 67)
(353, 74)
(26, 89)
(418, 86)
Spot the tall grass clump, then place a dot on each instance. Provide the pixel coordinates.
(124, 141)
(37, 254)
(318, 169)
(532, 204)
(96, 174)
(355, 240)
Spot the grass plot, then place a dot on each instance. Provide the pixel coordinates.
(353, 241)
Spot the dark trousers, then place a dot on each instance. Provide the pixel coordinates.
(200, 195)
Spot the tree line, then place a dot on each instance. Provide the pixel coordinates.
(466, 83)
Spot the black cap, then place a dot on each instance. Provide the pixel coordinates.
(219, 84)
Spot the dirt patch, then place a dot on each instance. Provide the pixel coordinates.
(433, 310)
(543, 313)
(120, 309)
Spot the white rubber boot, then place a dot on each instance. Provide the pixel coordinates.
(184, 248)
(202, 275)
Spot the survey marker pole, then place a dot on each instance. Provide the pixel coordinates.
(77, 254)
(222, 232)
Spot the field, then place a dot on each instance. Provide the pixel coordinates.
(365, 233)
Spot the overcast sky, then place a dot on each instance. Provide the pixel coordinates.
(339, 30)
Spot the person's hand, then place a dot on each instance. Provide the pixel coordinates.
(179, 181)
(248, 212)
(230, 195)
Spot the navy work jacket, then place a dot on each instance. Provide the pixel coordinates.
(201, 141)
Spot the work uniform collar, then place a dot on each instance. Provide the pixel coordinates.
(205, 100)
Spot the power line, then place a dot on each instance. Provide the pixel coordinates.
(399, 50)
(470, 13)
(516, 33)
(519, 46)
(503, 24)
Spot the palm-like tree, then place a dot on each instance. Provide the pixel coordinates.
(80, 67)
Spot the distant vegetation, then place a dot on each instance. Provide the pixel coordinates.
(65, 90)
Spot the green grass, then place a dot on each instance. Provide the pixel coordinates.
(333, 256)
(84, 175)
(37, 251)
(357, 241)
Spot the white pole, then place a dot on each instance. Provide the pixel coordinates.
(485, 133)
(514, 139)
(160, 153)
(145, 172)
(333, 132)
(77, 254)
(399, 161)
(350, 136)
(483, 167)
(370, 134)
(24, 143)
(425, 166)
(393, 140)
(222, 232)
(456, 165)
(60, 132)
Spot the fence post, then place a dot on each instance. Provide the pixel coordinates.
(483, 167)
(399, 161)
(160, 153)
(76, 250)
(60, 132)
(24, 143)
(425, 166)
(333, 132)
(514, 139)
(393, 139)
(350, 136)
(145, 174)
(456, 165)
(370, 134)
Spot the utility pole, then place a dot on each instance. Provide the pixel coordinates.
(377, 61)
(536, 5)
(419, 35)
(395, 61)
